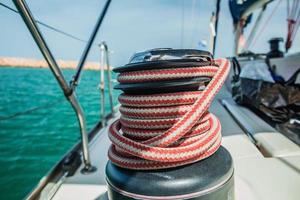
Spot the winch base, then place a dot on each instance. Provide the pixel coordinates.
(209, 179)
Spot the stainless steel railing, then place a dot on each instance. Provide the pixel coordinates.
(105, 65)
(69, 90)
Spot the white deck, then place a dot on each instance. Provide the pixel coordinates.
(256, 176)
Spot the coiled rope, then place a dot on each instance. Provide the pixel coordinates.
(171, 129)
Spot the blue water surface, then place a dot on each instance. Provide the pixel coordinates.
(30, 144)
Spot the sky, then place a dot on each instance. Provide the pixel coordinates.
(130, 26)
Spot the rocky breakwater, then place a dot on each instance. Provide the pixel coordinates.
(35, 63)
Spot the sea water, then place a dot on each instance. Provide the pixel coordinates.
(32, 142)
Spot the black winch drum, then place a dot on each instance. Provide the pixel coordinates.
(208, 179)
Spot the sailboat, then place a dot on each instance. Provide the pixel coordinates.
(255, 160)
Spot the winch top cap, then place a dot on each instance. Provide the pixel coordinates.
(166, 57)
(170, 54)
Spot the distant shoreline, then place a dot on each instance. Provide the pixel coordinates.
(35, 63)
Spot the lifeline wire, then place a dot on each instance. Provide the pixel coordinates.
(31, 110)
(169, 129)
(47, 26)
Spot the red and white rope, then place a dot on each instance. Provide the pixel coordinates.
(171, 129)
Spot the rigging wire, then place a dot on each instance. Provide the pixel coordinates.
(293, 18)
(47, 26)
(265, 24)
(37, 108)
(31, 110)
(254, 29)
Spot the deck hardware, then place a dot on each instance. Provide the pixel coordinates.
(72, 163)
(165, 127)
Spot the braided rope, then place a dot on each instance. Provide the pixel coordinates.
(171, 129)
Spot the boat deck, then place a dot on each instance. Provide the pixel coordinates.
(266, 163)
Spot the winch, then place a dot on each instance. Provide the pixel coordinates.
(166, 144)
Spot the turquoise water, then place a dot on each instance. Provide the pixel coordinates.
(31, 144)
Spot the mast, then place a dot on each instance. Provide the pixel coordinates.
(216, 25)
